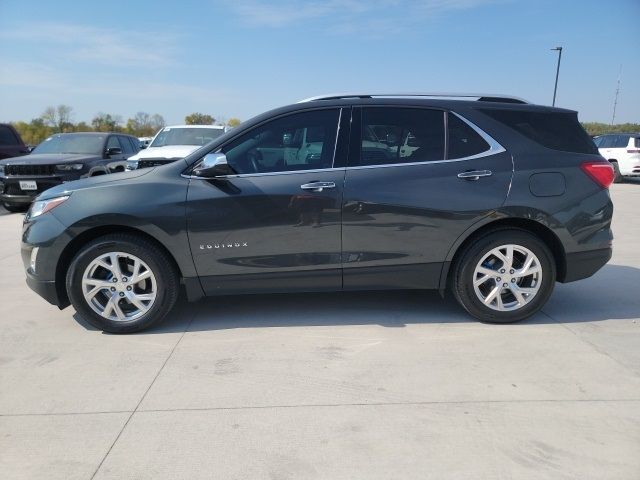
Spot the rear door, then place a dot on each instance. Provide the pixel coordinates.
(411, 191)
(275, 224)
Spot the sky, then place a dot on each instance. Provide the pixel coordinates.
(240, 58)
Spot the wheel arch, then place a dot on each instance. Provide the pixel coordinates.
(534, 227)
(70, 250)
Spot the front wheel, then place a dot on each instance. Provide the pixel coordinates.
(122, 283)
(504, 276)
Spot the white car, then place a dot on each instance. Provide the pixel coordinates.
(144, 141)
(173, 143)
(623, 151)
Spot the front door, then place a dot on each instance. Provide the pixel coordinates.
(275, 224)
(408, 197)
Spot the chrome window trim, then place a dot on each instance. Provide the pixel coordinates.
(265, 174)
(494, 149)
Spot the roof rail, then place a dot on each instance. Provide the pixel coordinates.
(471, 96)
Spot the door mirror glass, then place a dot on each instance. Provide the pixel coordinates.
(213, 165)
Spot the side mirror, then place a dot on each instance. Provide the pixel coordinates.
(213, 165)
(114, 151)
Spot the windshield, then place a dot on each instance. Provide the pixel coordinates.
(72, 144)
(185, 136)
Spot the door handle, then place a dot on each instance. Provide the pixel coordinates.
(475, 174)
(317, 186)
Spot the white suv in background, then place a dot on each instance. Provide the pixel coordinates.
(173, 143)
(623, 151)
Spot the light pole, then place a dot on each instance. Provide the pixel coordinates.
(555, 89)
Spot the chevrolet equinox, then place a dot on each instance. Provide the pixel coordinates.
(491, 197)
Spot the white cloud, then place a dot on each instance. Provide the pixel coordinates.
(347, 15)
(95, 45)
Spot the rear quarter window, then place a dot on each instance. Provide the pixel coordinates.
(463, 141)
(554, 130)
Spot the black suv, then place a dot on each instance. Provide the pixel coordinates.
(61, 158)
(489, 196)
(11, 144)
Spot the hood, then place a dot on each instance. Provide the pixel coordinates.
(169, 152)
(89, 182)
(49, 158)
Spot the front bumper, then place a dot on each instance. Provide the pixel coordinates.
(50, 236)
(584, 264)
(46, 289)
(10, 191)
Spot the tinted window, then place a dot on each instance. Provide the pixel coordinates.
(464, 141)
(555, 130)
(135, 144)
(72, 143)
(113, 142)
(607, 141)
(7, 137)
(622, 141)
(638, 142)
(401, 135)
(598, 141)
(301, 141)
(126, 146)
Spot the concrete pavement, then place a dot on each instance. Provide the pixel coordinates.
(329, 386)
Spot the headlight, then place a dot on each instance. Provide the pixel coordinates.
(43, 206)
(132, 164)
(67, 167)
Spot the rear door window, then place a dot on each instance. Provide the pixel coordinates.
(463, 141)
(554, 130)
(401, 135)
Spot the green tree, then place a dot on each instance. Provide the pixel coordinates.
(34, 132)
(105, 122)
(58, 117)
(199, 119)
(233, 122)
(597, 128)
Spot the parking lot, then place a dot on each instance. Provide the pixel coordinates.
(332, 386)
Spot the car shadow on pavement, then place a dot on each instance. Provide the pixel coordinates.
(597, 298)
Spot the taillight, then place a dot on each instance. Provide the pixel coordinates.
(600, 172)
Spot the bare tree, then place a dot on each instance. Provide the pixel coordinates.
(59, 118)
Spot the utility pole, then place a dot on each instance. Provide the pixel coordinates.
(615, 101)
(555, 89)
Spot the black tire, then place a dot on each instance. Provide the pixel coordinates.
(617, 176)
(463, 274)
(15, 208)
(164, 271)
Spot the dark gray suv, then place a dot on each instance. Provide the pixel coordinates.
(488, 196)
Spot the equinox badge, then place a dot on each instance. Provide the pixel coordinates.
(215, 246)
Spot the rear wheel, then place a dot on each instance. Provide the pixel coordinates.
(504, 276)
(122, 283)
(617, 176)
